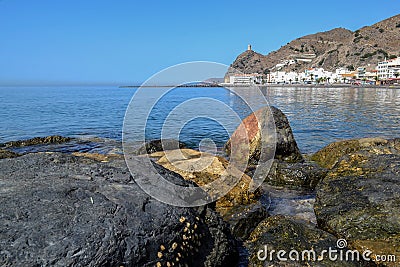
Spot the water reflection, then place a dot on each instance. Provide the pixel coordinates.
(323, 115)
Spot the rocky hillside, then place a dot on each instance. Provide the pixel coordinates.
(332, 49)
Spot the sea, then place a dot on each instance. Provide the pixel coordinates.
(318, 116)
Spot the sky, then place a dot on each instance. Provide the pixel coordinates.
(121, 42)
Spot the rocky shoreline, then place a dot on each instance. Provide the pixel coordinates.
(85, 209)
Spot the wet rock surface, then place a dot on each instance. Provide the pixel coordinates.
(284, 233)
(286, 146)
(53, 139)
(295, 203)
(160, 145)
(300, 174)
(243, 219)
(62, 210)
(64, 145)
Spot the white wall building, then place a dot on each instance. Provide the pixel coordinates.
(385, 70)
(340, 71)
(245, 79)
(315, 74)
(389, 69)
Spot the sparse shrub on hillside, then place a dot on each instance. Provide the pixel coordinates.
(383, 52)
(368, 55)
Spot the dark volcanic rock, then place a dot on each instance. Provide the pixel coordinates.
(62, 210)
(243, 219)
(305, 174)
(160, 145)
(7, 154)
(359, 200)
(286, 146)
(283, 233)
(53, 139)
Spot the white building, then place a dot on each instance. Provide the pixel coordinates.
(276, 77)
(341, 71)
(389, 69)
(245, 79)
(292, 77)
(316, 74)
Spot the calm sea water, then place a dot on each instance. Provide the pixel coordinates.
(318, 116)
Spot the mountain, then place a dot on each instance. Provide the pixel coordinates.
(330, 50)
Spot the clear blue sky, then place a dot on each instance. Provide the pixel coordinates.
(125, 42)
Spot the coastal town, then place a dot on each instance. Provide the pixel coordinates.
(386, 72)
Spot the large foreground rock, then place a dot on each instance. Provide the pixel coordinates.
(62, 210)
(359, 199)
(286, 146)
(203, 168)
(284, 233)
